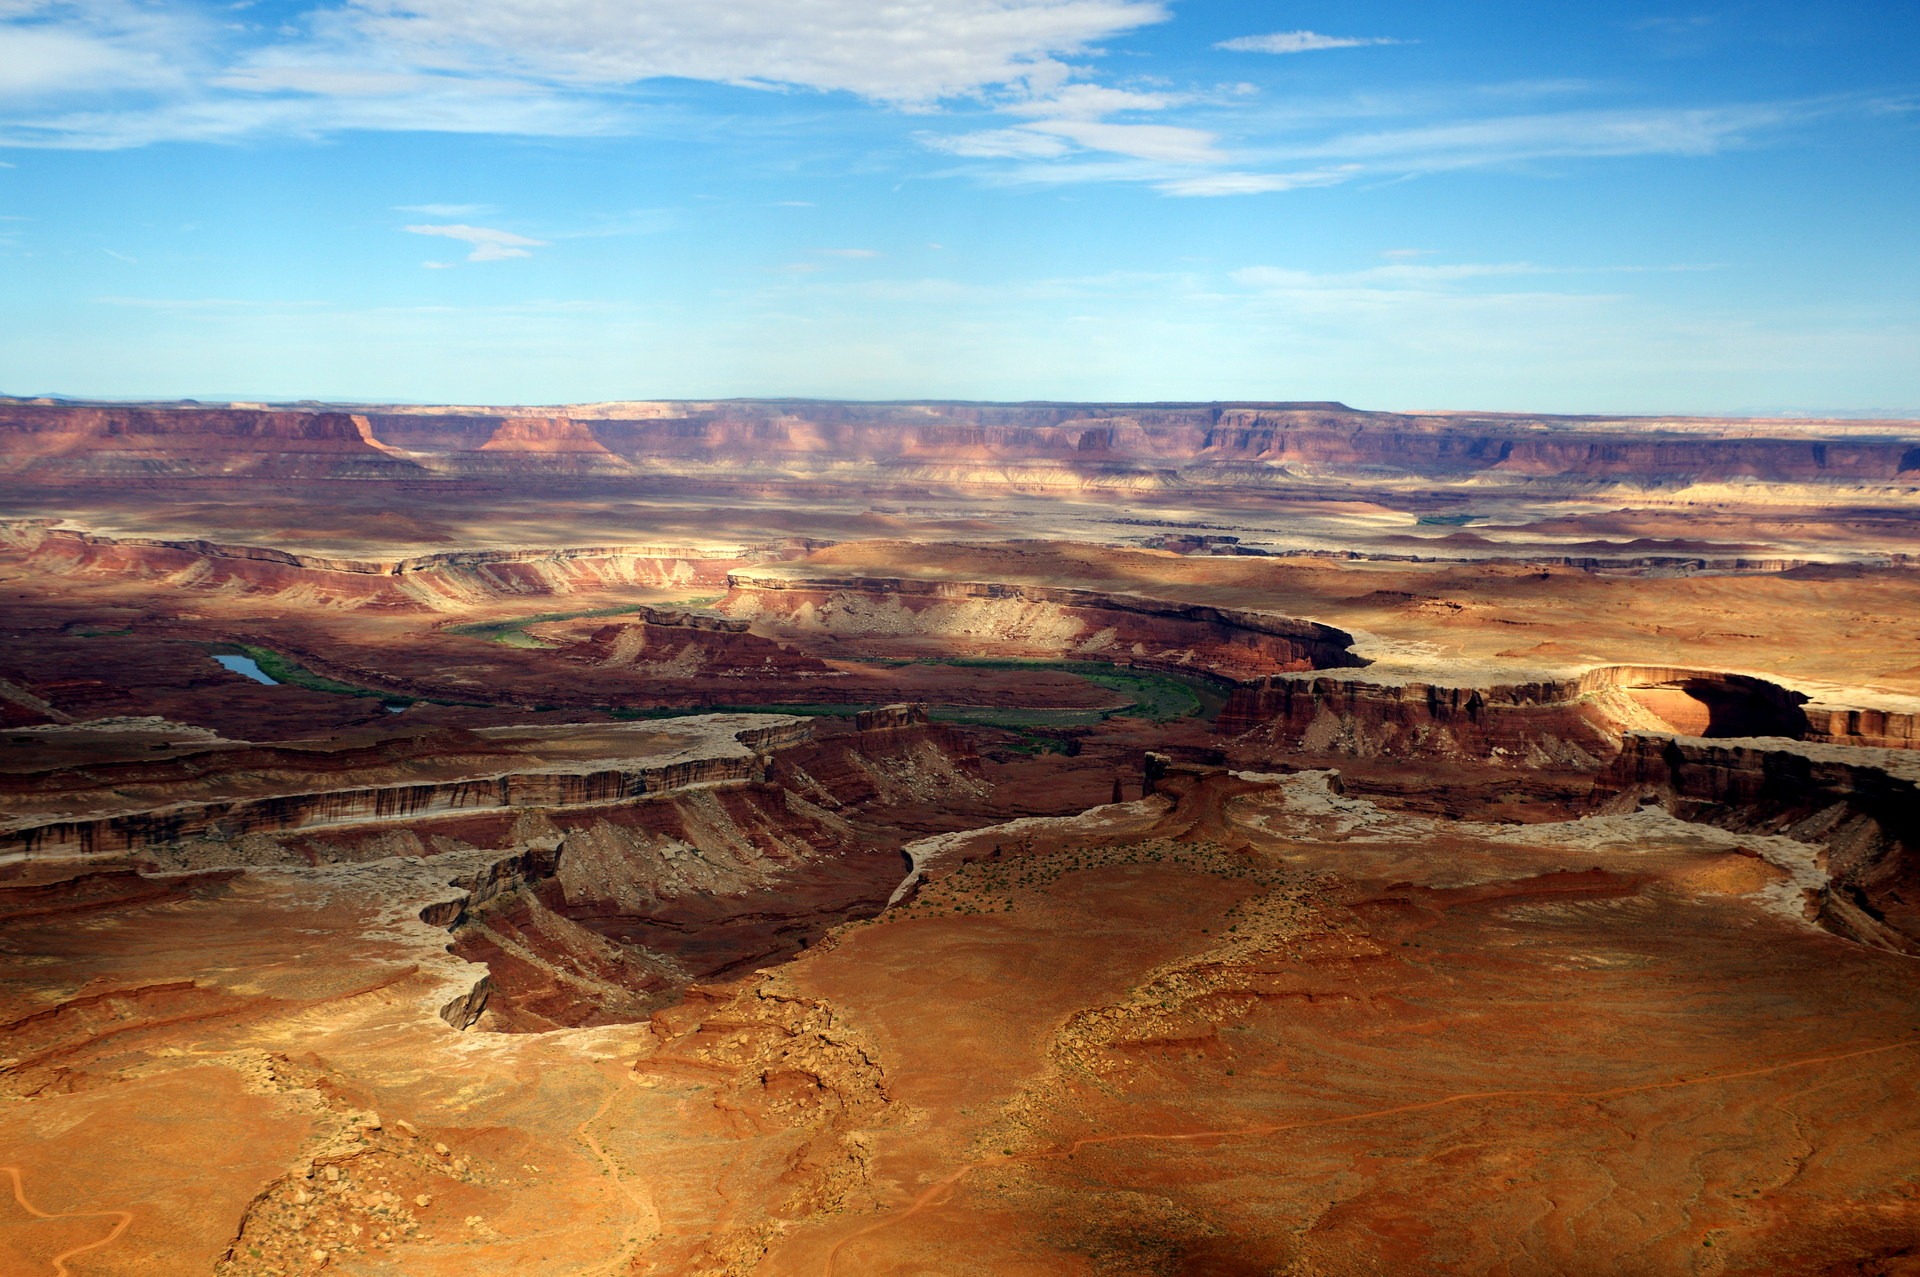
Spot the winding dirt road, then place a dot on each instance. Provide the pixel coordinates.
(59, 1261)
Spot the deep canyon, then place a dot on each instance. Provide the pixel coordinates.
(791, 837)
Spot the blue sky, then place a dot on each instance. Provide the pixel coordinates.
(1525, 206)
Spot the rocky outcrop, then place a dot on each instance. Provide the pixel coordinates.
(546, 446)
(1573, 721)
(436, 581)
(1007, 619)
(1526, 725)
(44, 443)
(667, 644)
(1873, 728)
(740, 757)
(1036, 446)
(1861, 805)
(551, 435)
(693, 884)
(890, 717)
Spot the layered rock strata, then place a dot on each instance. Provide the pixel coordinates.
(1577, 720)
(438, 580)
(1020, 446)
(671, 644)
(1862, 805)
(999, 618)
(39, 442)
(731, 747)
(1027, 445)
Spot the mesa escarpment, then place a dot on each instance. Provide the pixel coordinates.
(69, 444)
(133, 810)
(443, 581)
(695, 885)
(1043, 446)
(1000, 618)
(1861, 805)
(547, 446)
(673, 644)
(1578, 720)
(1015, 917)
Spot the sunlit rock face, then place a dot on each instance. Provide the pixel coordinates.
(799, 837)
(1120, 446)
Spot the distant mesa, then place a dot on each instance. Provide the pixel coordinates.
(550, 447)
(64, 443)
(545, 435)
(1007, 447)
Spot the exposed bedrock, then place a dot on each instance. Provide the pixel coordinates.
(72, 443)
(1530, 725)
(550, 787)
(1042, 445)
(1575, 721)
(1873, 728)
(542, 446)
(679, 645)
(1861, 805)
(440, 580)
(696, 885)
(992, 617)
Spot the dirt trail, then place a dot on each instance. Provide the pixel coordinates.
(639, 1197)
(930, 1197)
(59, 1261)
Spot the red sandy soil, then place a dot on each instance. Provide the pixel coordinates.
(1225, 1038)
(1465, 1008)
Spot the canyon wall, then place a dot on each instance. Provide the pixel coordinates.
(673, 644)
(546, 787)
(1577, 720)
(991, 617)
(61, 443)
(1549, 724)
(1861, 805)
(648, 896)
(1038, 445)
(432, 581)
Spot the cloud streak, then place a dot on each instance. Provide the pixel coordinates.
(1230, 183)
(1300, 42)
(1505, 139)
(1183, 161)
(104, 74)
(488, 244)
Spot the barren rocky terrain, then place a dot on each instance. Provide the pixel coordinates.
(801, 838)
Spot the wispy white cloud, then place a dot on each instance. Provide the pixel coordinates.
(1071, 121)
(1168, 143)
(1504, 139)
(998, 144)
(52, 50)
(1089, 102)
(1022, 74)
(1300, 42)
(909, 51)
(446, 210)
(1230, 183)
(104, 74)
(1072, 126)
(232, 117)
(489, 245)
